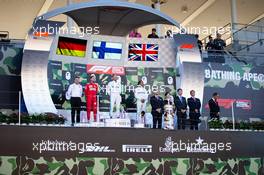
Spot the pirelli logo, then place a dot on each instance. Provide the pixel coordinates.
(137, 148)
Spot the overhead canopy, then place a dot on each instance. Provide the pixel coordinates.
(111, 16)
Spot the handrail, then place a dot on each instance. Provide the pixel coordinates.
(247, 46)
(234, 56)
(240, 57)
(248, 25)
(204, 39)
(245, 28)
(237, 53)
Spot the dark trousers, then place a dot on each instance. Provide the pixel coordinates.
(75, 108)
(181, 119)
(194, 120)
(157, 119)
(219, 56)
(214, 116)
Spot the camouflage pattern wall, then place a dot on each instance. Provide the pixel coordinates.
(241, 84)
(118, 166)
(61, 75)
(10, 59)
(10, 69)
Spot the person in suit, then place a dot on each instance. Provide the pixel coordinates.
(194, 110)
(181, 107)
(74, 94)
(157, 104)
(214, 107)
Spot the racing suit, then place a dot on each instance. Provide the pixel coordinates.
(114, 90)
(141, 95)
(91, 91)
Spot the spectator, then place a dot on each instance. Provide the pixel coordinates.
(199, 43)
(219, 46)
(153, 34)
(210, 45)
(134, 34)
(210, 49)
(169, 34)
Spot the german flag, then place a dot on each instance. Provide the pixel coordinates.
(71, 47)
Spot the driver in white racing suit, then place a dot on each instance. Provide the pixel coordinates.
(114, 90)
(141, 94)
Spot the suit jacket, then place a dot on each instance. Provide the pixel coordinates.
(156, 103)
(214, 107)
(180, 104)
(194, 104)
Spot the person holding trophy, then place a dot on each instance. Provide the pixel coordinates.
(141, 94)
(114, 90)
(169, 109)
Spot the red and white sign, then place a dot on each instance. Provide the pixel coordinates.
(227, 103)
(100, 69)
(244, 104)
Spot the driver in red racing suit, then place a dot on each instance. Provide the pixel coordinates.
(91, 90)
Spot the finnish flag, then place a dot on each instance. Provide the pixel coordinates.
(107, 50)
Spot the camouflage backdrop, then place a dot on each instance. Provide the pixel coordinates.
(117, 166)
(61, 75)
(240, 89)
(10, 59)
(10, 69)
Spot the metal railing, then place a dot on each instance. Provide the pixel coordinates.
(233, 57)
(245, 34)
(225, 35)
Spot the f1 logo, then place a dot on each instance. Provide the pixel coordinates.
(99, 69)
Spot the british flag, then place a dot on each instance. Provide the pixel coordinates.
(143, 52)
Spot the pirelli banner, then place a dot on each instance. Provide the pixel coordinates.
(130, 143)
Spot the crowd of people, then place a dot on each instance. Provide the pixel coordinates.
(135, 34)
(216, 45)
(181, 105)
(172, 110)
